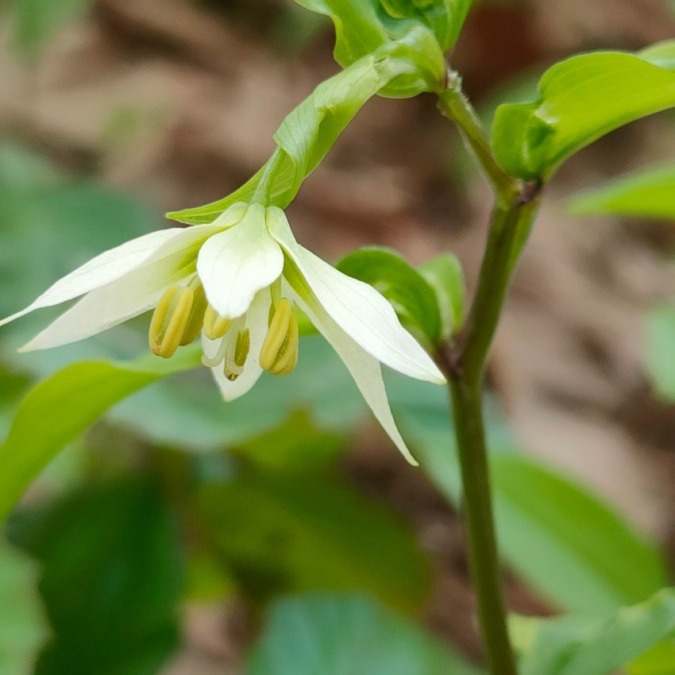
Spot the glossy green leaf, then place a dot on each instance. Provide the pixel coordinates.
(22, 626)
(282, 532)
(407, 290)
(594, 646)
(444, 274)
(111, 578)
(61, 407)
(560, 538)
(345, 635)
(581, 99)
(649, 192)
(660, 349)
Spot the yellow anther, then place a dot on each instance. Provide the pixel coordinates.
(279, 353)
(196, 318)
(242, 347)
(169, 320)
(215, 326)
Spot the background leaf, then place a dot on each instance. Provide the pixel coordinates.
(648, 192)
(111, 577)
(61, 407)
(291, 532)
(335, 635)
(659, 350)
(587, 646)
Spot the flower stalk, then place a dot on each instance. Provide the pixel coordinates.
(463, 361)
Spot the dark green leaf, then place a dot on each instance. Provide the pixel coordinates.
(345, 635)
(111, 579)
(295, 532)
(407, 290)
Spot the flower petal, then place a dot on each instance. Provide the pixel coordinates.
(256, 322)
(359, 310)
(363, 368)
(118, 262)
(113, 303)
(234, 265)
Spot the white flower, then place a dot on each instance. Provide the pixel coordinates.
(235, 280)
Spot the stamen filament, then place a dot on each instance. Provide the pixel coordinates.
(169, 320)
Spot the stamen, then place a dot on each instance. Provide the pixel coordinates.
(215, 326)
(242, 347)
(169, 320)
(279, 353)
(196, 318)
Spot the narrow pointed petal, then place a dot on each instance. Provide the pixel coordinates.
(364, 314)
(256, 322)
(113, 303)
(237, 263)
(364, 369)
(116, 263)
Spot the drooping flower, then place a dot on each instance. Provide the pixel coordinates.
(235, 281)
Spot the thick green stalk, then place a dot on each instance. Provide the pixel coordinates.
(463, 359)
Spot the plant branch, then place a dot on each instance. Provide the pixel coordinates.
(463, 360)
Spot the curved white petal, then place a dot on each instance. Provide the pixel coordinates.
(118, 262)
(113, 303)
(359, 310)
(237, 263)
(363, 368)
(256, 322)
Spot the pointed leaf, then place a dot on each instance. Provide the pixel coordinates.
(61, 407)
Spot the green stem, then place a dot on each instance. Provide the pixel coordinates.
(463, 359)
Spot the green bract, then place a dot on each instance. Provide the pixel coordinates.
(581, 99)
(311, 129)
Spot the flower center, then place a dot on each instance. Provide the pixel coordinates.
(183, 311)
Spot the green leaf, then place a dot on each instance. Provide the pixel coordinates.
(283, 532)
(188, 411)
(407, 290)
(444, 274)
(61, 407)
(566, 543)
(580, 99)
(660, 350)
(658, 660)
(22, 627)
(560, 538)
(111, 579)
(344, 635)
(411, 64)
(649, 193)
(595, 646)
